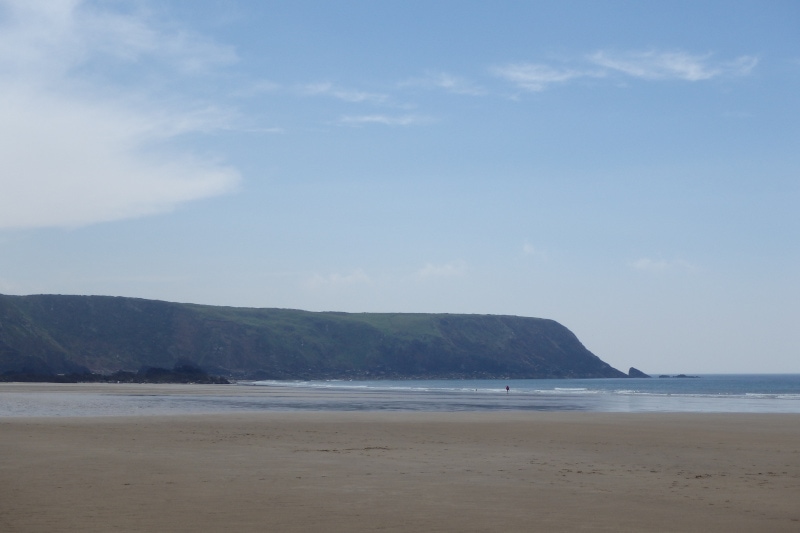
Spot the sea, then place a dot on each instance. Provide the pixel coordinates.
(706, 393)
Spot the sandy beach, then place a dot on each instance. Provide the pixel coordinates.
(402, 471)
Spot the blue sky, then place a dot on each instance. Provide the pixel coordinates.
(629, 169)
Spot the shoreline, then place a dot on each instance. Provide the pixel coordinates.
(402, 471)
(130, 399)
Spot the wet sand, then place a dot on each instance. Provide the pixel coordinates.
(401, 471)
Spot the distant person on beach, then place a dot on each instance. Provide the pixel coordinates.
(507, 389)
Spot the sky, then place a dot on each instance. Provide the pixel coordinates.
(630, 169)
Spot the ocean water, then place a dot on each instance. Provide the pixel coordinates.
(708, 393)
(750, 393)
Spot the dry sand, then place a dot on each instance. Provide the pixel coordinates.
(402, 471)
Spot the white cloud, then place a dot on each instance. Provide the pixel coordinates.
(661, 265)
(537, 77)
(328, 89)
(402, 120)
(649, 65)
(447, 270)
(528, 249)
(53, 36)
(653, 65)
(534, 253)
(75, 150)
(741, 66)
(356, 277)
(70, 163)
(256, 89)
(447, 82)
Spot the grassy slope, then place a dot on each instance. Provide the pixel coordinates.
(106, 334)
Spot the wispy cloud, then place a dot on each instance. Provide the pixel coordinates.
(741, 66)
(661, 265)
(529, 250)
(256, 88)
(647, 65)
(653, 65)
(77, 148)
(346, 95)
(336, 279)
(61, 34)
(446, 270)
(387, 120)
(537, 77)
(447, 82)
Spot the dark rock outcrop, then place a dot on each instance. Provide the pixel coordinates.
(636, 373)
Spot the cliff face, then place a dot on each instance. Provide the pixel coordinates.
(108, 334)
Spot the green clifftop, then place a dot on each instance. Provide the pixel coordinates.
(102, 334)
